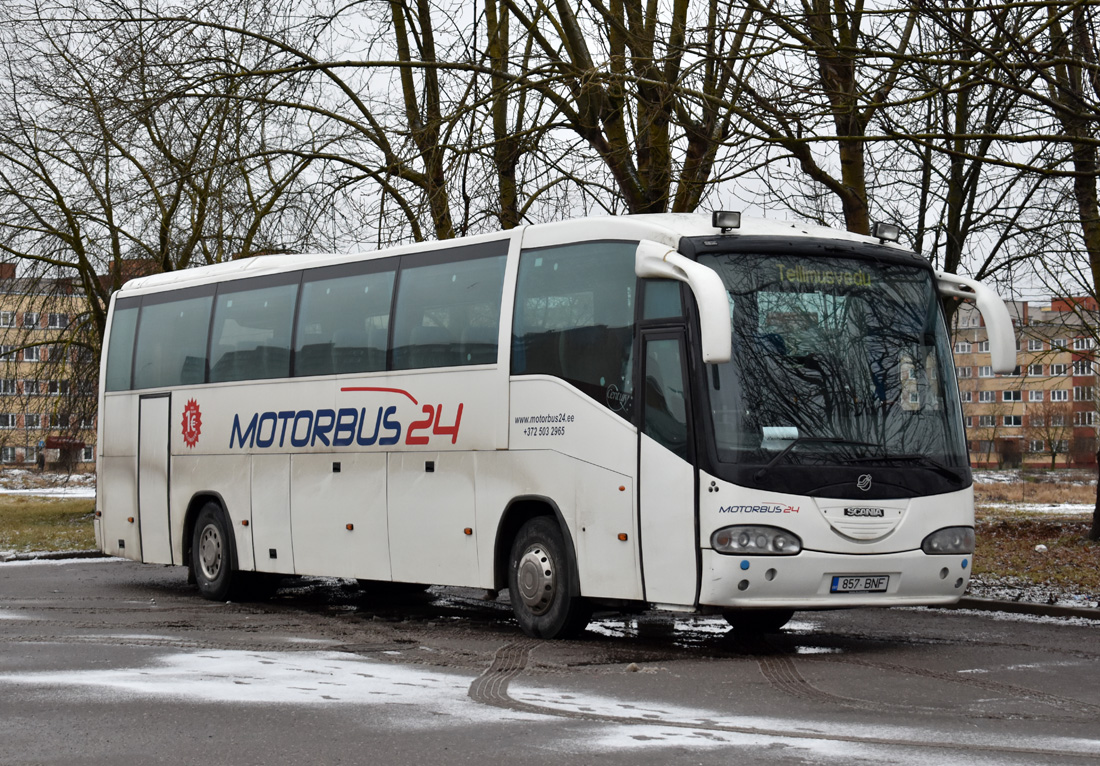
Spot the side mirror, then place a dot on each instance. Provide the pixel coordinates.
(654, 260)
(998, 322)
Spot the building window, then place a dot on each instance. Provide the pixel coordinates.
(1082, 393)
(30, 388)
(57, 321)
(985, 372)
(985, 397)
(1015, 372)
(7, 352)
(7, 387)
(88, 455)
(1037, 421)
(1035, 396)
(58, 421)
(1084, 418)
(1083, 344)
(32, 421)
(30, 319)
(87, 423)
(962, 347)
(983, 347)
(966, 396)
(1059, 395)
(985, 421)
(7, 319)
(1059, 446)
(1035, 445)
(969, 422)
(1035, 369)
(7, 454)
(58, 387)
(1057, 343)
(1082, 367)
(1011, 396)
(1058, 369)
(7, 420)
(1057, 421)
(1034, 344)
(1013, 421)
(32, 354)
(964, 372)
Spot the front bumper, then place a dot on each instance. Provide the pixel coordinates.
(803, 581)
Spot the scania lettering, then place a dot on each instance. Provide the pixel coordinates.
(675, 412)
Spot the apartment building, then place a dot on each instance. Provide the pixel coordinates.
(1045, 412)
(47, 385)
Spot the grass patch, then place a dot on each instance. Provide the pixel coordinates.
(1006, 549)
(46, 524)
(1046, 493)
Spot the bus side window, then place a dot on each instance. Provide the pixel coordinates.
(344, 319)
(448, 308)
(171, 340)
(120, 348)
(574, 318)
(251, 336)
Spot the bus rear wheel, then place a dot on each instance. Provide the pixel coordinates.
(540, 583)
(758, 620)
(212, 554)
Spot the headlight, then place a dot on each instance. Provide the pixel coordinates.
(949, 540)
(755, 540)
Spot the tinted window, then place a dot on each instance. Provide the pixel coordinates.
(171, 341)
(343, 321)
(448, 312)
(251, 337)
(662, 299)
(120, 348)
(574, 318)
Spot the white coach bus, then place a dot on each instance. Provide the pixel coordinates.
(674, 411)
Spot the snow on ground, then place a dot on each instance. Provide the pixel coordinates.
(1045, 509)
(20, 481)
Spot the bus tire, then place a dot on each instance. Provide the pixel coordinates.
(540, 583)
(758, 620)
(212, 554)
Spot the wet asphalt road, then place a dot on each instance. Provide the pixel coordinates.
(107, 661)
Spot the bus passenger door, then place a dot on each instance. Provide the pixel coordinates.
(154, 413)
(666, 472)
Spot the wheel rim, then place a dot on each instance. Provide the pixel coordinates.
(210, 552)
(537, 579)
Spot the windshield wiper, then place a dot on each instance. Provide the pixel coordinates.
(807, 440)
(932, 463)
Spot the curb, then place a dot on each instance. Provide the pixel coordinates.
(1025, 607)
(52, 556)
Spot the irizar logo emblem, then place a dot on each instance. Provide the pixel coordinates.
(864, 482)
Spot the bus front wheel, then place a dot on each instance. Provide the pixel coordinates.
(540, 583)
(212, 554)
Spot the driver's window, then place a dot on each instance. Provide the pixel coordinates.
(665, 403)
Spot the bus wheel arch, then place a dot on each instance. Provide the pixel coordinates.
(542, 580)
(519, 511)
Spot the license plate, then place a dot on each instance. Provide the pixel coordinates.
(860, 584)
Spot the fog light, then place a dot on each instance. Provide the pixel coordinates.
(756, 540)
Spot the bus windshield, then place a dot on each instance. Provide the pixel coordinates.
(836, 360)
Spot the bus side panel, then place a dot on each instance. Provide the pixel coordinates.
(338, 514)
(119, 503)
(581, 455)
(225, 478)
(431, 517)
(117, 477)
(270, 523)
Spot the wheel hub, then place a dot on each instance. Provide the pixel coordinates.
(210, 552)
(536, 579)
